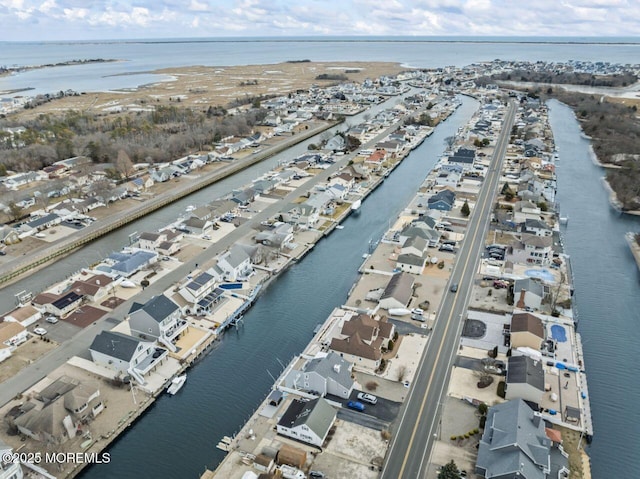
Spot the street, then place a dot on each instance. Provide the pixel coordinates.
(417, 429)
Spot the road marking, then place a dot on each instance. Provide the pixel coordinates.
(488, 193)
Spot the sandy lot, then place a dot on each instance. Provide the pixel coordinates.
(202, 86)
(25, 354)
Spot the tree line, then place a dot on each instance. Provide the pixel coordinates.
(164, 134)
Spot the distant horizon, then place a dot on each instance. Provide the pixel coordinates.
(542, 39)
(76, 20)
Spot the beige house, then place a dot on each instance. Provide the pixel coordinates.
(12, 334)
(526, 331)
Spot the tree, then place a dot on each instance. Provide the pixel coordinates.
(15, 211)
(124, 165)
(449, 471)
(465, 210)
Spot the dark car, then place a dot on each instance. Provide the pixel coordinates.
(454, 287)
(316, 474)
(358, 406)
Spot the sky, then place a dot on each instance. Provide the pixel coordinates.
(33, 20)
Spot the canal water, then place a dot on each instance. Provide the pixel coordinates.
(178, 435)
(608, 303)
(115, 240)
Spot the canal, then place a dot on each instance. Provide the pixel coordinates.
(177, 435)
(608, 303)
(115, 240)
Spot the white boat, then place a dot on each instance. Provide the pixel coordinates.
(355, 205)
(40, 235)
(190, 208)
(339, 227)
(176, 384)
(128, 284)
(399, 312)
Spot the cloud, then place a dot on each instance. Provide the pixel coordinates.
(176, 18)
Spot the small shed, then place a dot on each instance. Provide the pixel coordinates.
(263, 463)
(292, 456)
(275, 398)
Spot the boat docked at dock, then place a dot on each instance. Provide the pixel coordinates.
(356, 205)
(176, 384)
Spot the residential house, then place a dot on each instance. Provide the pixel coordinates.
(25, 315)
(126, 355)
(8, 468)
(235, 263)
(325, 374)
(159, 318)
(425, 229)
(64, 304)
(443, 200)
(464, 157)
(515, 445)
(528, 293)
(220, 208)
(150, 240)
(301, 214)
(127, 263)
(376, 159)
(14, 182)
(8, 235)
(525, 379)
(523, 210)
(93, 288)
(526, 330)
(12, 334)
(199, 226)
(277, 237)
(307, 421)
(51, 424)
(336, 143)
(415, 245)
(362, 339)
(196, 290)
(398, 291)
(161, 175)
(244, 197)
(44, 222)
(411, 263)
(536, 227)
(344, 179)
(448, 178)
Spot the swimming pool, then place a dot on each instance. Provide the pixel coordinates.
(543, 274)
(558, 333)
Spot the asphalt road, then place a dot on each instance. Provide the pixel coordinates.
(78, 344)
(417, 429)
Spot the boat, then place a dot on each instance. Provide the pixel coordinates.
(40, 235)
(355, 205)
(190, 208)
(176, 384)
(339, 227)
(128, 284)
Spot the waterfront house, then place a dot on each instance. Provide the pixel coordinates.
(50, 424)
(12, 334)
(411, 263)
(415, 245)
(448, 178)
(25, 315)
(301, 214)
(93, 288)
(515, 445)
(307, 421)
(199, 226)
(528, 293)
(197, 289)
(244, 197)
(159, 318)
(278, 237)
(127, 263)
(525, 379)
(532, 249)
(526, 331)
(64, 304)
(536, 227)
(160, 175)
(126, 355)
(235, 263)
(325, 374)
(336, 143)
(362, 339)
(44, 222)
(464, 157)
(150, 240)
(442, 201)
(398, 291)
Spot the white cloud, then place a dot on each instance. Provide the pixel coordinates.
(196, 6)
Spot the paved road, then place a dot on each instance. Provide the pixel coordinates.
(80, 342)
(413, 439)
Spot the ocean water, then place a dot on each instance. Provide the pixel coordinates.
(138, 57)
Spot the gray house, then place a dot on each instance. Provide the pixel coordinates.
(307, 421)
(325, 375)
(525, 379)
(125, 354)
(158, 319)
(514, 445)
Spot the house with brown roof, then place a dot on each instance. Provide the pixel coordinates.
(12, 334)
(362, 339)
(94, 288)
(25, 315)
(526, 331)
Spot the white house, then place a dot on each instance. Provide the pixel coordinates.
(235, 263)
(12, 334)
(307, 421)
(125, 354)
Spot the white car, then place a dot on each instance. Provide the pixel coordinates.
(417, 311)
(370, 398)
(40, 331)
(51, 319)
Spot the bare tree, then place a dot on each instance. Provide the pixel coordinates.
(124, 165)
(15, 210)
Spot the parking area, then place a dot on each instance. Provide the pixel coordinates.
(59, 332)
(384, 410)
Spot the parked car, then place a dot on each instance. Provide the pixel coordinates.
(316, 474)
(51, 319)
(358, 406)
(418, 317)
(370, 398)
(40, 331)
